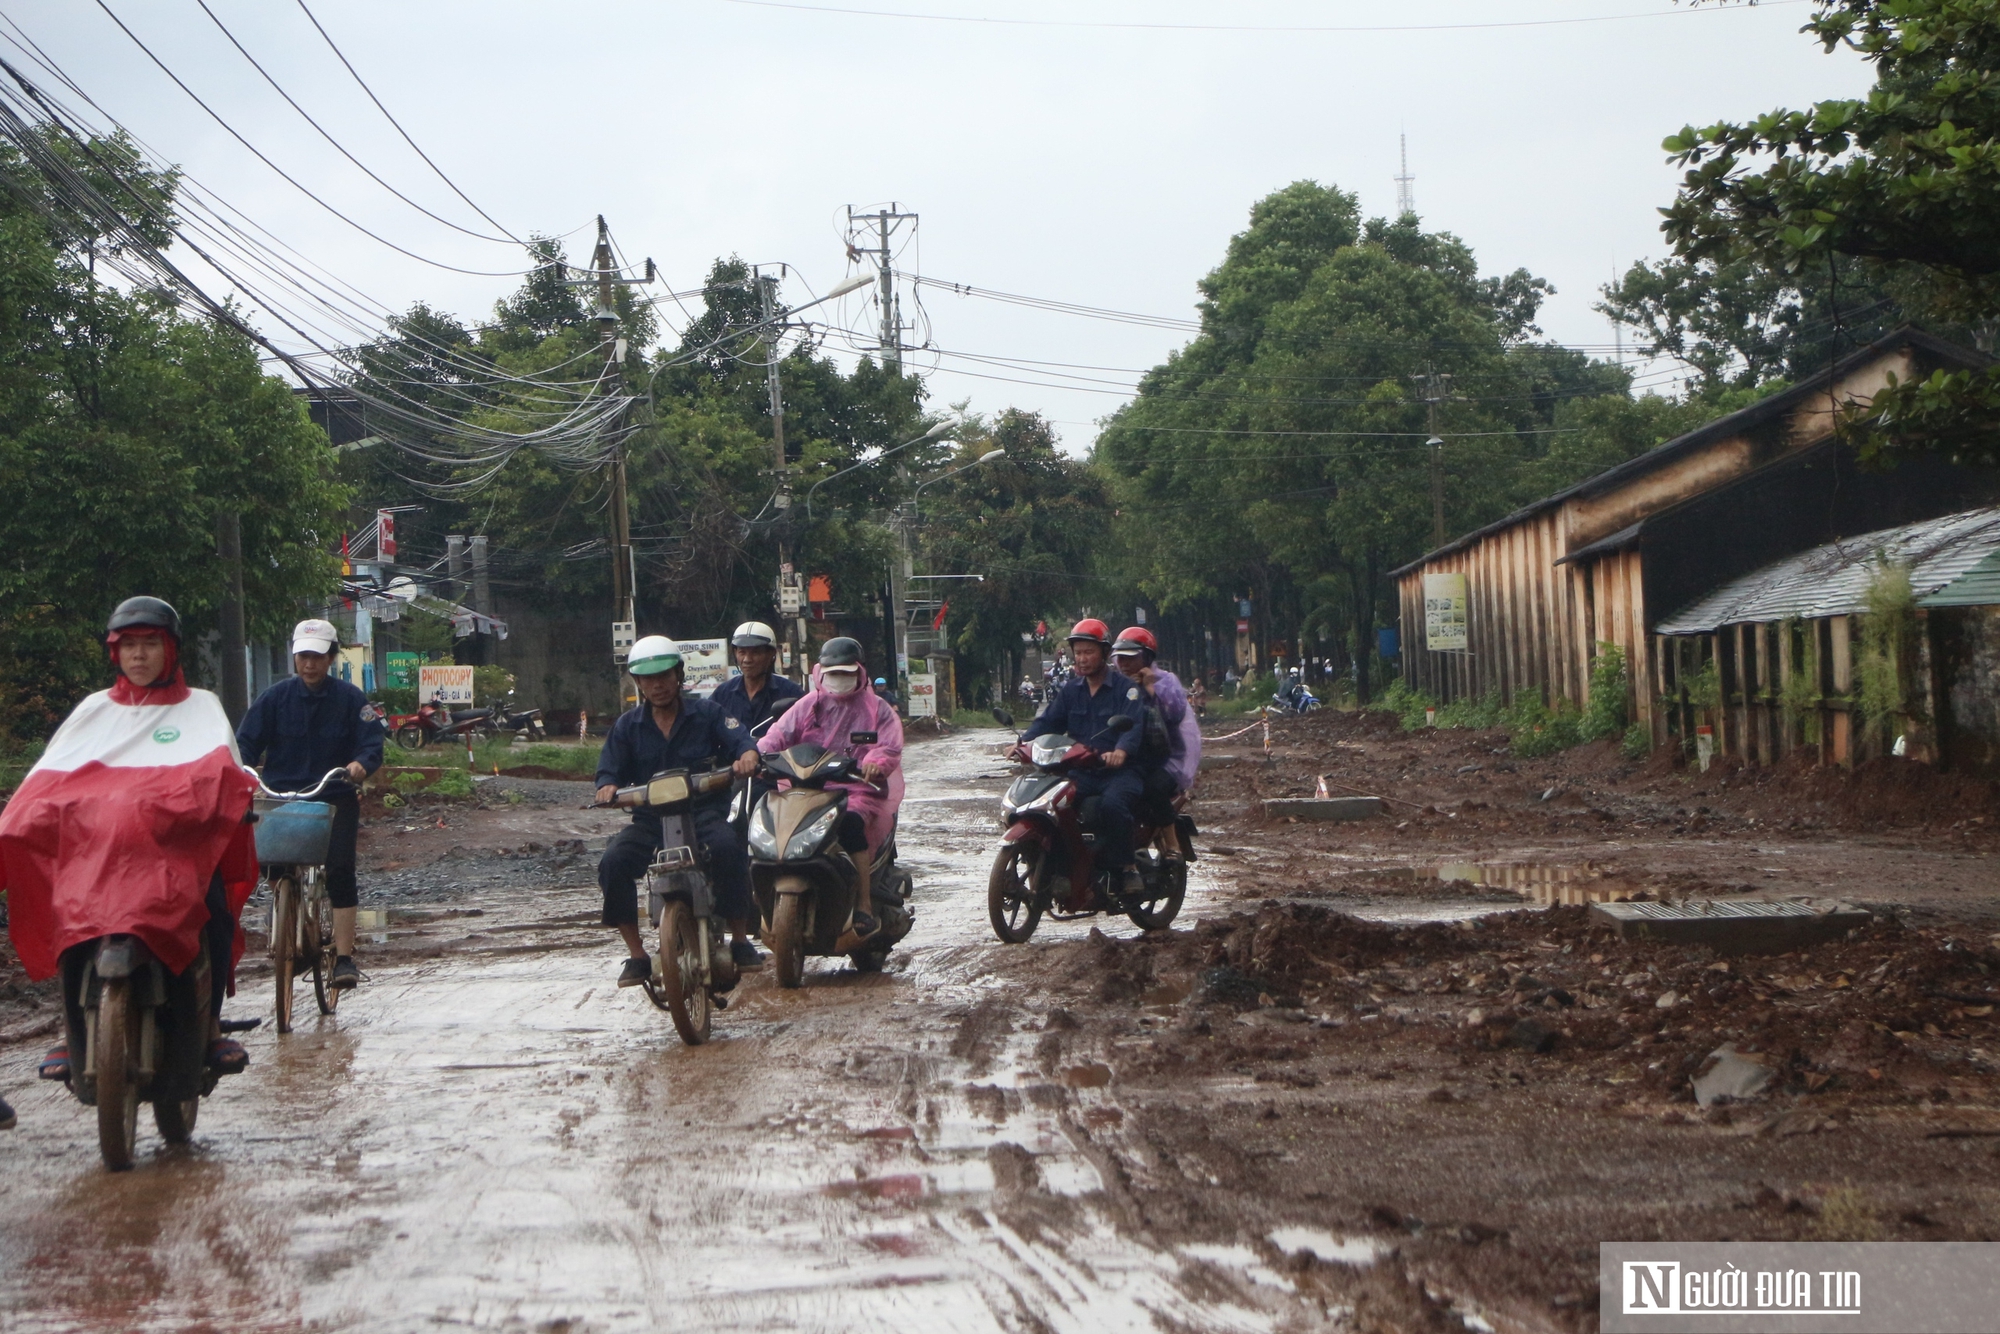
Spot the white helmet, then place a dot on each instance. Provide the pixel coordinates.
(754, 634)
(653, 654)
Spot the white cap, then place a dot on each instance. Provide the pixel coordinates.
(314, 637)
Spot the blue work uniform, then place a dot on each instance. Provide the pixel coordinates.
(703, 737)
(733, 697)
(295, 734)
(1075, 712)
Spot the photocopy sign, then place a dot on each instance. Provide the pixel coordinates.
(444, 685)
(1444, 613)
(1753, 1287)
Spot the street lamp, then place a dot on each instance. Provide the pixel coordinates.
(942, 428)
(987, 457)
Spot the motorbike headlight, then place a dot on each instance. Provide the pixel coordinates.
(811, 834)
(763, 834)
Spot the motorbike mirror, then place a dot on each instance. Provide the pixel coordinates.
(1002, 717)
(1121, 723)
(778, 709)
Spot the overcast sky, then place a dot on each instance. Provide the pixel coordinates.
(1052, 154)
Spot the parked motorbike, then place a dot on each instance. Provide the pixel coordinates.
(1047, 859)
(526, 723)
(692, 971)
(802, 875)
(143, 1033)
(414, 731)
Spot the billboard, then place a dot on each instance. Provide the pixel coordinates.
(450, 686)
(1444, 613)
(707, 664)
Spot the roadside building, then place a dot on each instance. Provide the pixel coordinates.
(1519, 606)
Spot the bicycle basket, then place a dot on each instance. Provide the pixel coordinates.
(293, 833)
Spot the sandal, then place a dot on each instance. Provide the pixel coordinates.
(55, 1065)
(227, 1057)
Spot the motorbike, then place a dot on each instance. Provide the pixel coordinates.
(526, 723)
(692, 971)
(143, 1033)
(414, 731)
(801, 873)
(1292, 700)
(1047, 859)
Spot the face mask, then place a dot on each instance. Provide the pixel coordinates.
(840, 683)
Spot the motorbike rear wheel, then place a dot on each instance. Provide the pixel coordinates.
(410, 737)
(1156, 914)
(1013, 892)
(787, 942)
(117, 1060)
(682, 970)
(284, 943)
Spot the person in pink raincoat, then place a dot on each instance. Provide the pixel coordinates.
(841, 714)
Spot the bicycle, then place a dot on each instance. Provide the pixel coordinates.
(293, 831)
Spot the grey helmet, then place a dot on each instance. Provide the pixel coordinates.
(840, 652)
(144, 613)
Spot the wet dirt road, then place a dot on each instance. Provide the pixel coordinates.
(499, 1139)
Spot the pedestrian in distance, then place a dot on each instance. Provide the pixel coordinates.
(300, 729)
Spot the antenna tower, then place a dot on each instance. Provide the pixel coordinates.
(1406, 199)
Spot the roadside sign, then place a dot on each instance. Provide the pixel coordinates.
(707, 664)
(1444, 613)
(444, 685)
(401, 669)
(923, 695)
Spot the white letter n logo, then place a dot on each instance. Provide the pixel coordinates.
(1652, 1287)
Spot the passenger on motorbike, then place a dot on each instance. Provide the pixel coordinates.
(670, 729)
(117, 829)
(749, 698)
(834, 713)
(1082, 709)
(302, 727)
(1133, 656)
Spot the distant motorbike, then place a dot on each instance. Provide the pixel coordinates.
(1292, 700)
(803, 878)
(520, 722)
(1047, 859)
(414, 731)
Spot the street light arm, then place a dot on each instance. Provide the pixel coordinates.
(987, 457)
(940, 429)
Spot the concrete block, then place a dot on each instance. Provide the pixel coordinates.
(1751, 926)
(1324, 808)
(1220, 761)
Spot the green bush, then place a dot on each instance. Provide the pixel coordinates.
(397, 699)
(1534, 729)
(490, 685)
(407, 783)
(1609, 682)
(1637, 743)
(453, 783)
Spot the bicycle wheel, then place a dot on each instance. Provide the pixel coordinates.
(682, 974)
(284, 943)
(320, 948)
(116, 1057)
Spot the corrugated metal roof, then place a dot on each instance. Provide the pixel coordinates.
(1977, 587)
(1833, 580)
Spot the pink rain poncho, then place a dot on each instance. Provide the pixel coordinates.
(822, 719)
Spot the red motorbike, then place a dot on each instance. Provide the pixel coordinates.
(414, 731)
(1047, 860)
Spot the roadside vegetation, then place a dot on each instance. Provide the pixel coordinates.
(1533, 727)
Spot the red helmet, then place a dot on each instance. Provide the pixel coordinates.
(1096, 631)
(1137, 639)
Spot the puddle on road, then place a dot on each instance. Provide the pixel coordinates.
(1549, 884)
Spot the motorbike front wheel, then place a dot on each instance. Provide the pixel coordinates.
(117, 1061)
(683, 979)
(410, 737)
(1013, 899)
(788, 945)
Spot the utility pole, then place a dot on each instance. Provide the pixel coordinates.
(624, 572)
(884, 223)
(790, 599)
(235, 668)
(1434, 393)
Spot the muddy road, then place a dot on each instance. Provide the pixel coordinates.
(497, 1138)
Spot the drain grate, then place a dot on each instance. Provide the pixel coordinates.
(1731, 926)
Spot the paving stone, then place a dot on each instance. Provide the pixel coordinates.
(1324, 808)
(1735, 926)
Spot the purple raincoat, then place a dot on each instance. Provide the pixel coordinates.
(1183, 728)
(828, 720)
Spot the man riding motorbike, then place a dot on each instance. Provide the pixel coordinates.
(670, 729)
(837, 709)
(1133, 656)
(133, 822)
(307, 725)
(749, 698)
(1082, 708)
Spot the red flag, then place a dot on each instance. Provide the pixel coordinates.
(937, 621)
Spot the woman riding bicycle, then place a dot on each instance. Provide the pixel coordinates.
(133, 822)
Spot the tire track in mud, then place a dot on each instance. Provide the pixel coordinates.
(497, 1139)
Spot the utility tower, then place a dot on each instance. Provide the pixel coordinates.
(869, 234)
(1406, 198)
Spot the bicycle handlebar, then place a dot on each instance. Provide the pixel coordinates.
(305, 795)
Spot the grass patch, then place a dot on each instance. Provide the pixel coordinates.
(499, 753)
(1534, 728)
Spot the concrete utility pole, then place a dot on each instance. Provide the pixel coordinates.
(884, 223)
(624, 572)
(235, 666)
(790, 598)
(1434, 393)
